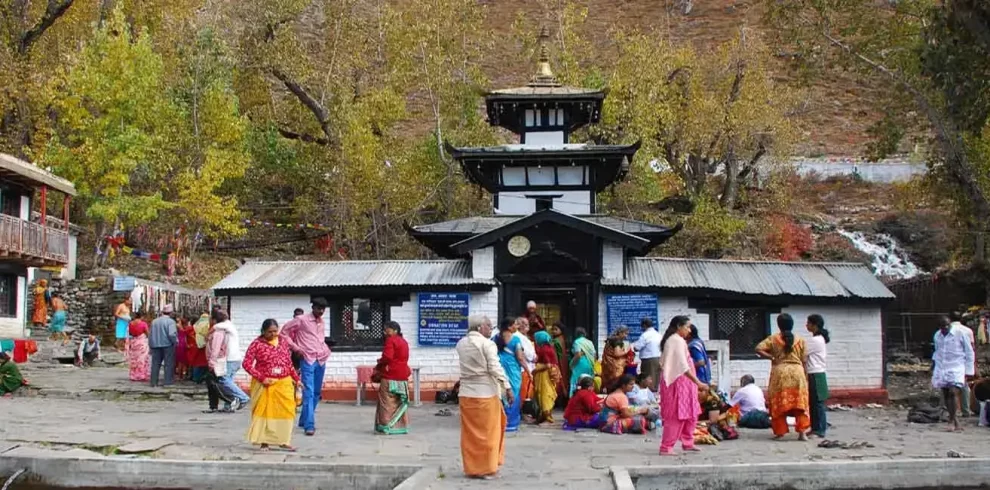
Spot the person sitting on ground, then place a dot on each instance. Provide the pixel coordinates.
(641, 396)
(89, 351)
(752, 404)
(10, 375)
(621, 417)
(584, 407)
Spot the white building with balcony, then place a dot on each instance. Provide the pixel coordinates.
(30, 239)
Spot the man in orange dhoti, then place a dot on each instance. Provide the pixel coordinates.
(483, 384)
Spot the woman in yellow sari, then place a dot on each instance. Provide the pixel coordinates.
(274, 389)
(546, 376)
(788, 393)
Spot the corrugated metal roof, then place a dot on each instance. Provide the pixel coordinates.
(36, 174)
(484, 224)
(288, 275)
(831, 280)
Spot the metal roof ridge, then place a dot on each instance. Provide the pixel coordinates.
(356, 261)
(749, 261)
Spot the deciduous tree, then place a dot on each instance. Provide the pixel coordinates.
(703, 115)
(929, 56)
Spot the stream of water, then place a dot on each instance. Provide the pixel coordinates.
(888, 259)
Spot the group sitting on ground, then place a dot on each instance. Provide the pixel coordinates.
(798, 387)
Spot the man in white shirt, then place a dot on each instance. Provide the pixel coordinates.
(529, 353)
(957, 323)
(648, 347)
(529, 349)
(752, 404)
(954, 359)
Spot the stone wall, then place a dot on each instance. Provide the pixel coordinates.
(90, 305)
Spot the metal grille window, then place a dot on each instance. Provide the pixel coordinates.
(8, 296)
(359, 325)
(744, 328)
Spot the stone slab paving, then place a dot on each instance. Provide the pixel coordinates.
(540, 457)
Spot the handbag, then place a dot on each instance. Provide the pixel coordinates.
(529, 405)
(220, 370)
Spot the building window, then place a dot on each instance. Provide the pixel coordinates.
(10, 204)
(744, 328)
(8, 296)
(358, 324)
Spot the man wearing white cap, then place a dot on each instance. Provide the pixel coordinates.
(163, 338)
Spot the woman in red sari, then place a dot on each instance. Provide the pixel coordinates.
(563, 361)
(195, 354)
(584, 408)
(546, 377)
(138, 353)
(393, 372)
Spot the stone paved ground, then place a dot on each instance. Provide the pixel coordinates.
(68, 414)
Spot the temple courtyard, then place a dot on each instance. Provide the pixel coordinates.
(97, 410)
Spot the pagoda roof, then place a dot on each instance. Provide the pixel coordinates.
(606, 164)
(442, 237)
(566, 150)
(539, 92)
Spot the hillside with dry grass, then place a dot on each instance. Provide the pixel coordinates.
(834, 114)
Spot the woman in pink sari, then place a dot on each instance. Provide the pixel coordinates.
(679, 407)
(138, 353)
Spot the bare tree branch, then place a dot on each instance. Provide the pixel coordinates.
(54, 10)
(292, 135)
(760, 152)
(958, 164)
(318, 110)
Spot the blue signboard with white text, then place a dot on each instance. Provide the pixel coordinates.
(443, 318)
(629, 310)
(124, 283)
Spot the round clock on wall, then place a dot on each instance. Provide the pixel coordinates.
(518, 246)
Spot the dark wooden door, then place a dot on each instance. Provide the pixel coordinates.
(569, 304)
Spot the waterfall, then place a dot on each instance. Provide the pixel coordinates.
(889, 260)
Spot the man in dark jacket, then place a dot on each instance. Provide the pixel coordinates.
(163, 338)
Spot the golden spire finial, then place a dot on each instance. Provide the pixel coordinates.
(544, 75)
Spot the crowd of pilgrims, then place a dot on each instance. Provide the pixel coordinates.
(524, 370)
(286, 365)
(519, 373)
(660, 380)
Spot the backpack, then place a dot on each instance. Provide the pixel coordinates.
(926, 414)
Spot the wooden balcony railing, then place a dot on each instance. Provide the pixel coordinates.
(34, 243)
